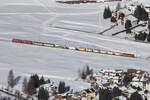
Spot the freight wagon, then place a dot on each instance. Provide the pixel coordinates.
(128, 55)
(72, 48)
(110, 53)
(103, 52)
(89, 50)
(48, 45)
(58, 46)
(96, 51)
(38, 43)
(81, 49)
(118, 53)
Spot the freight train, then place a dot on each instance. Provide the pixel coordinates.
(73, 48)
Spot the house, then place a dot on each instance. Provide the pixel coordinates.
(123, 15)
(138, 82)
(147, 86)
(147, 8)
(131, 72)
(141, 73)
(134, 20)
(116, 80)
(132, 8)
(94, 85)
(88, 93)
(119, 72)
(97, 77)
(108, 72)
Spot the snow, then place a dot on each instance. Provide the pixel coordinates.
(38, 20)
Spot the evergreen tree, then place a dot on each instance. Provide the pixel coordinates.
(145, 15)
(113, 19)
(128, 25)
(49, 81)
(148, 37)
(107, 13)
(146, 98)
(61, 87)
(118, 6)
(87, 70)
(125, 6)
(127, 79)
(42, 94)
(121, 16)
(141, 36)
(105, 94)
(11, 79)
(42, 81)
(116, 92)
(141, 13)
(25, 85)
(136, 96)
(31, 86)
(83, 75)
(36, 80)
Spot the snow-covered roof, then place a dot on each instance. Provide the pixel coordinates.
(135, 79)
(131, 90)
(131, 18)
(123, 88)
(122, 98)
(116, 78)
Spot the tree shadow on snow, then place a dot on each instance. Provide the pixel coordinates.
(16, 80)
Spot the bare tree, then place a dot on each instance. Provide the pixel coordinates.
(11, 79)
(118, 6)
(25, 85)
(149, 25)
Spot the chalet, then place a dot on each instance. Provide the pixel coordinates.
(148, 9)
(97, 77)
(106, 85)
(123, 15)
(147, 86)
(132, 8)
(137, 73)
(138, 82)
(88, 93)
(119, 72)
(131, 71)
(117, 14)
(141, 73)
(133, 20)
(108, 72)
(116, 79)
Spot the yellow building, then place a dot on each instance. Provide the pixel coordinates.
(89, 93)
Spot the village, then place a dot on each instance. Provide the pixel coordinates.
(121, 84)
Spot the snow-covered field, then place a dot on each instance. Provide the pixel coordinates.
(72, 25)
